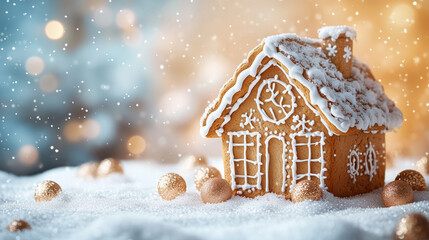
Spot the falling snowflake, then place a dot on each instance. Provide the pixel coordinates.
(348, 53)
(248, 119)
(332, 50)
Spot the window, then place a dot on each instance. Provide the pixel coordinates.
(308, 159)
(245, 159)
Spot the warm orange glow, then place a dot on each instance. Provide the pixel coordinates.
(34, 65)
(28, 155)
(48, 83)
(402, 15)
(136, 144)
(54, 30)
(73, 131)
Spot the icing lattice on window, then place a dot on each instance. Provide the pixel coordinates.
(245, 142)
(307, 149)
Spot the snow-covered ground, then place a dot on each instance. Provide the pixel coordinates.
(129, 207)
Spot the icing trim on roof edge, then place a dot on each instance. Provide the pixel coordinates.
(295, 72)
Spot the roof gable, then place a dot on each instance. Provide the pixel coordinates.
(356, 103)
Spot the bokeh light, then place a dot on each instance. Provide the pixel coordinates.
(54, 30)
(119, 69)
(34, 65)
(73, 131)
(28, 155)
(48, 83)
(136, 145)
(91, 129)
(125, 18)
(402, 15)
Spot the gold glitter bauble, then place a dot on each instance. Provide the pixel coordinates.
(397, 193)
(216, 190)
(46, 191)
(413, 178)
(192, 162)
(422, 165)
(412, 226)
(171, 185)
(306, 190)
(204, 174)
(109, 166)
(88, 170)
(18, 225)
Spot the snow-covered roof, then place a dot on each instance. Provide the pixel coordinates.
(358, 102)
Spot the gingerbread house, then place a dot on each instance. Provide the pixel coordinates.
(300, 108)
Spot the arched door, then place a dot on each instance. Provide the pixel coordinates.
(275, 171)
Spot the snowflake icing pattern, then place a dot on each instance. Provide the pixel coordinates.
(249, 119)
(348, 53)
(332, 50)
(302, 123)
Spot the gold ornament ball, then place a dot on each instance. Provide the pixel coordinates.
(422, 165)
(88, 170)
(171, 185)
(109, 166)
(216, 190)
(413, 178)
(412, 226)
(18, 225)
(193, 161)
(397, 193)
(204, 174)
(306, 190)
(46, 191)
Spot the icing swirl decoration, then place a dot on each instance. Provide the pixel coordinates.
(275, 101)
(354, 164)
(371, 162)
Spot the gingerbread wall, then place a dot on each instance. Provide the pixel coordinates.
(342, 181)
(249, 118)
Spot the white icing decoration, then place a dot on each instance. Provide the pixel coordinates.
(277, 89)
(347, 53)
(245, 161)
(354, 163)
(332, 50)
(249, 119)
(359, 102)
(227, 118)
(301, 123)
(212, 116)
(370, 161)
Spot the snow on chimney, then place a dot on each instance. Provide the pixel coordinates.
(338, 46)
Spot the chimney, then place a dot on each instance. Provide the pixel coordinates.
(337, 44)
